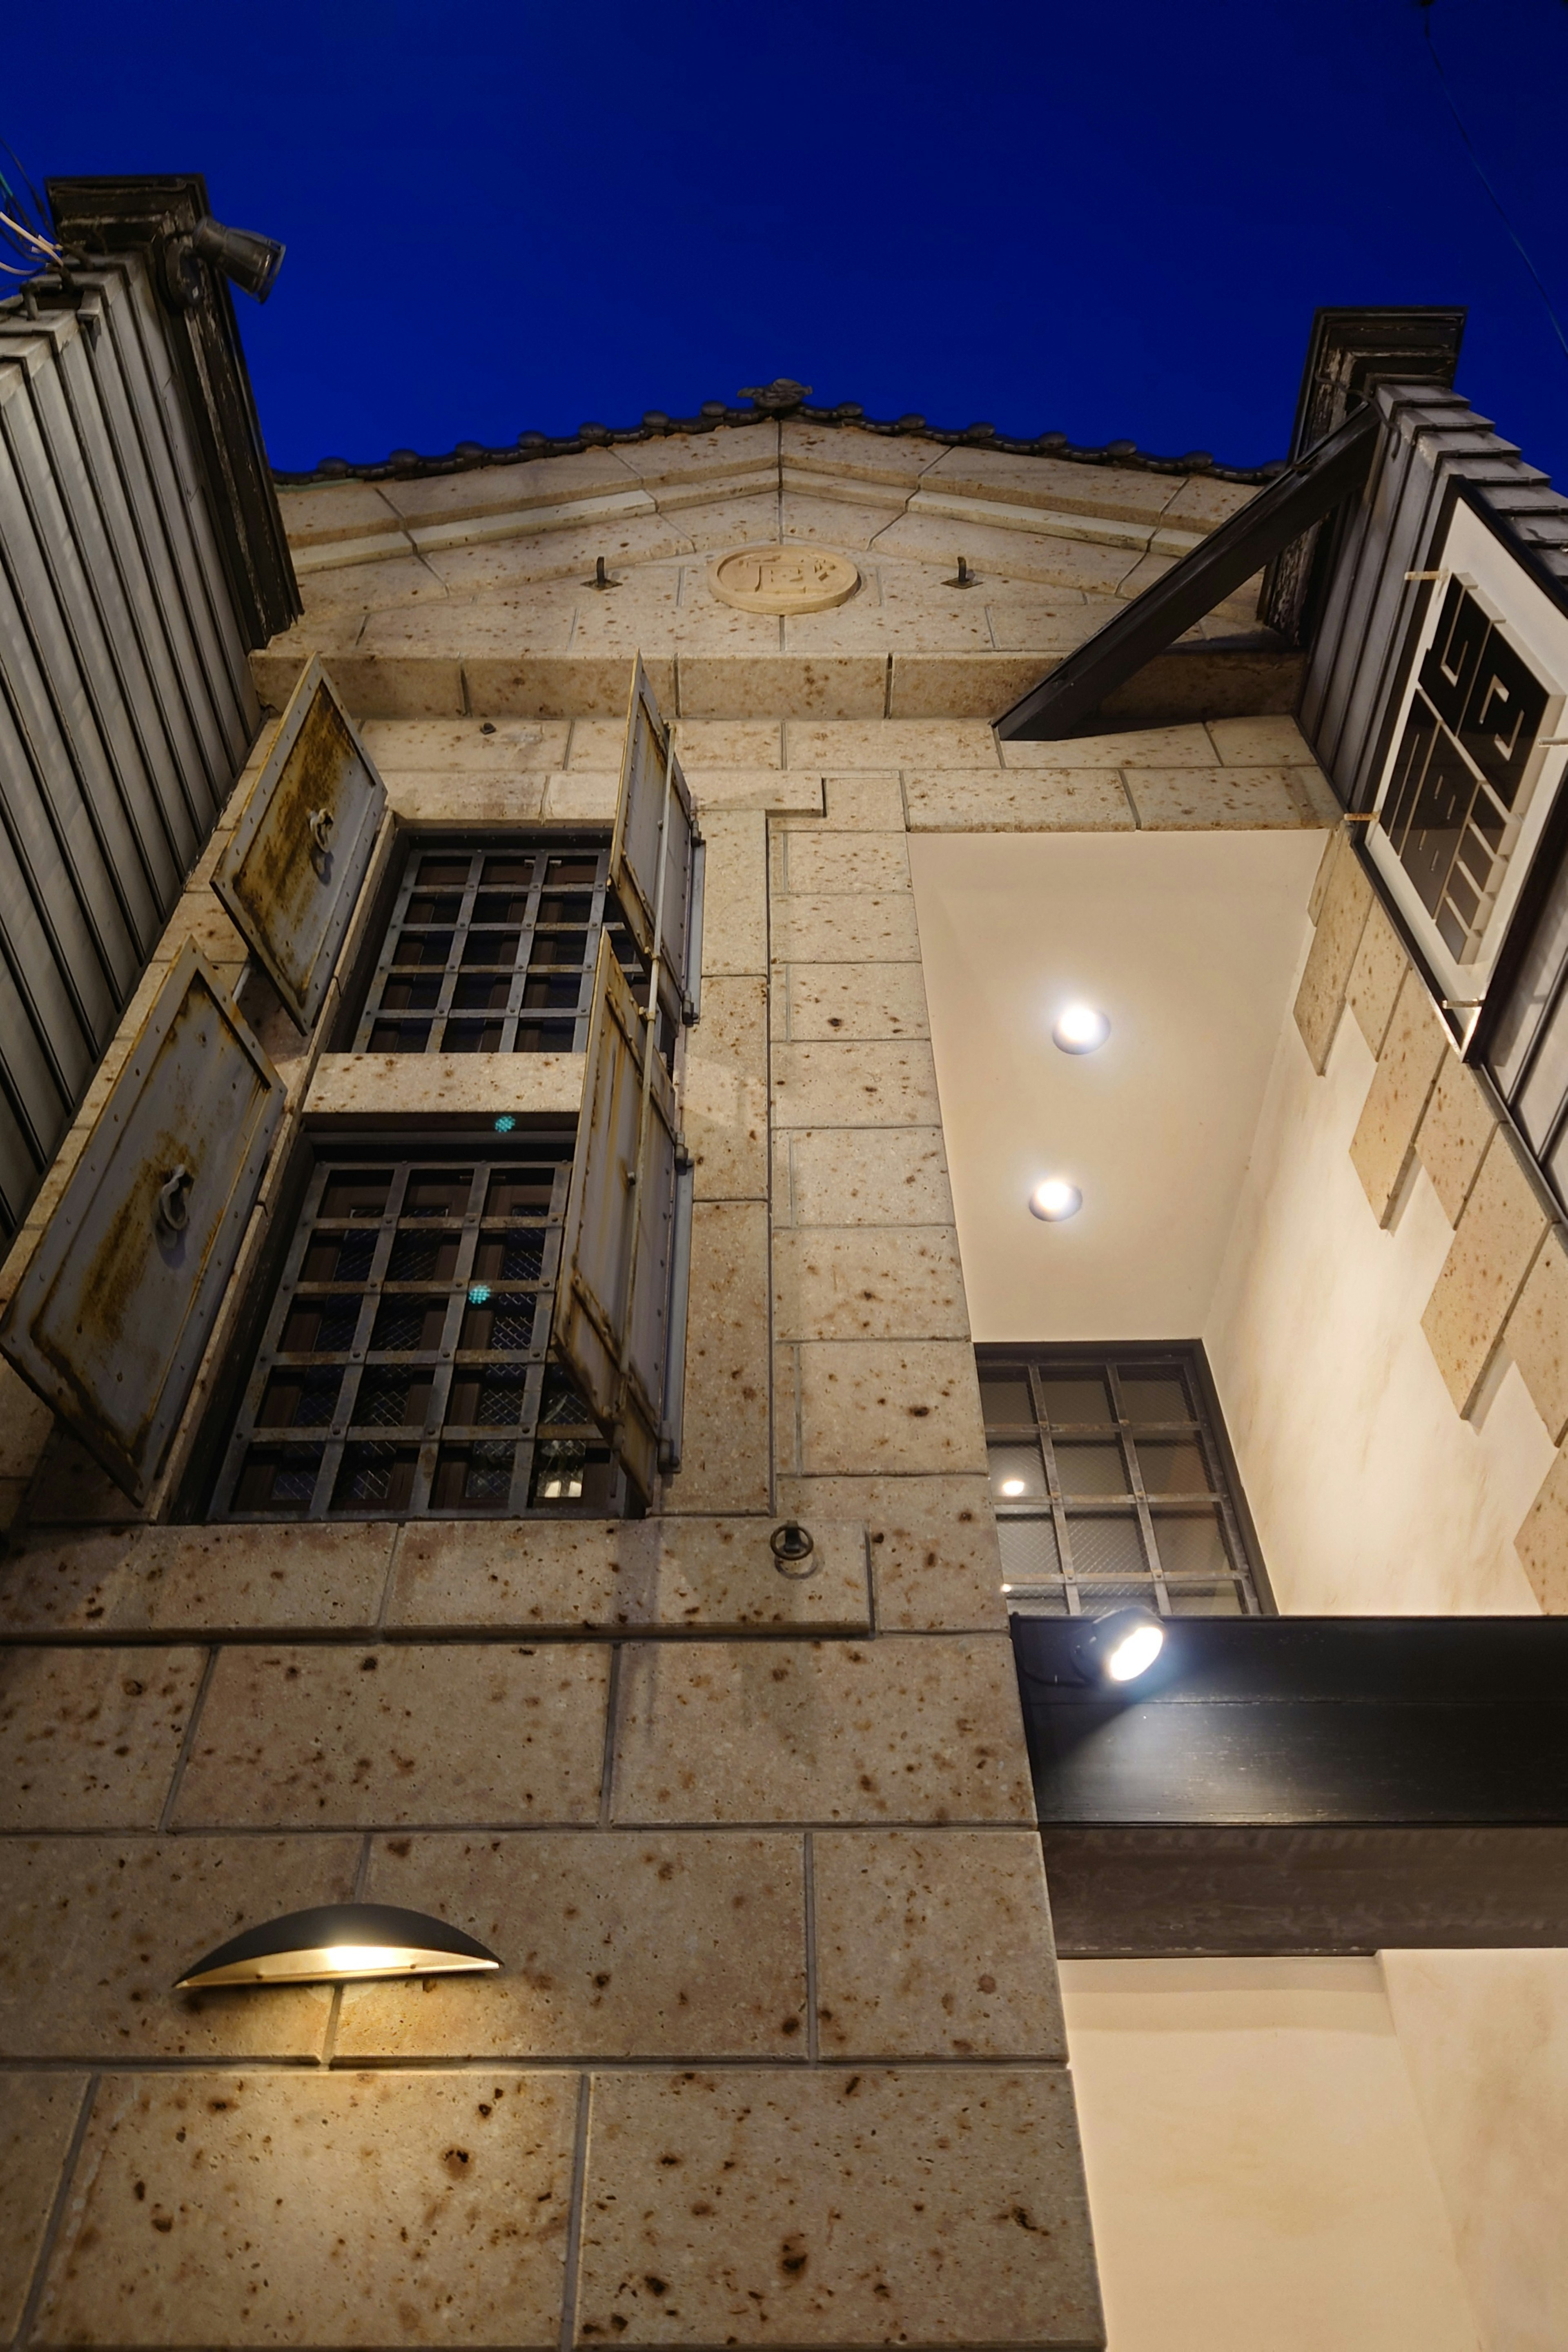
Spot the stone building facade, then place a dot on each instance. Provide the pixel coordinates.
(778, 2053)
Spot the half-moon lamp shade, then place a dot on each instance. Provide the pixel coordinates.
(338, 1943)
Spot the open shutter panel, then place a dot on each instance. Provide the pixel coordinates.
(292, 872)
(110, 1319)
(612, 1301)
(673, 1422)
(645, 844)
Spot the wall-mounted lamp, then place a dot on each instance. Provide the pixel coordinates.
(1054, 1200)
(1120, 1647)
(247, 260)
(1081, 1029)
(339, 1943)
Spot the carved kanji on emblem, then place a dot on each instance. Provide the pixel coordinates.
(784, 579)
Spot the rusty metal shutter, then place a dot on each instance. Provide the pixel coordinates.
(292, 872)
(611, 1322)
(648, 850)
(111, 1316)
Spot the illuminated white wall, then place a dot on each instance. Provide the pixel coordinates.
(1369, 1492)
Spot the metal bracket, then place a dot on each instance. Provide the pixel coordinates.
(1216, 568)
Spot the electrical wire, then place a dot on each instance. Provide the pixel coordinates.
(1426, 7)
(24, 223)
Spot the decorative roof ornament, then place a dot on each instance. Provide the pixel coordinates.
(780, 398)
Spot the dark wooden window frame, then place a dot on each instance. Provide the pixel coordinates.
(1059, 1506)
(538, 974)
(1477, 1030)
(333, 1440)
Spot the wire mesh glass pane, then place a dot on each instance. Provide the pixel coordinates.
(1173, 1465)
(1191, 1544)
(421, 1255)
(1106, 1544)
(1098, 1598)
(1154, 1396)
(488, 1398)
(568, 1471)
(393, 1399)
(1090, 1469)
(302, 1399)
(1038, 1601)
(375, 1477)
(279, 1480)
(1017, 1474)
(1221, 1600)
(1005, 1399)
(1029, 1553)
(1080, 1397)
(319, 1327)
(477, 1477)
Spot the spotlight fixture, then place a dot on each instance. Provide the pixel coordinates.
(338, 1943)
(1054, 1200)
(1121, 1646)
(247, 260)
(1081, 1029)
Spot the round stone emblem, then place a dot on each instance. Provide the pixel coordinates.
(783, 579)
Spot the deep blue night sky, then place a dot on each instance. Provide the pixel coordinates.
(1108, 221)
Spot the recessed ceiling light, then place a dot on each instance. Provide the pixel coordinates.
(337, 1942)
(1054, 1200)
(1080, 1028)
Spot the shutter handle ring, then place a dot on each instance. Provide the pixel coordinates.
(791, 1547)
(173, 1209)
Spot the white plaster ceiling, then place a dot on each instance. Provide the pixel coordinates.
(1191, 943)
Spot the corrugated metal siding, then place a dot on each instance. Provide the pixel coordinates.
(126, 706)
(1352, 678)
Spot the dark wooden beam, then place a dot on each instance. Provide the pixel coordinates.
(1295, 1784)
(1297, 499)
(1172, 1894)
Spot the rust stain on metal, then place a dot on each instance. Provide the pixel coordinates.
(279, 874)
(109, 1320)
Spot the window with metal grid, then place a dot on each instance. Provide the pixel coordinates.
(403, 1369)
(491, 948)
(1112, 1483)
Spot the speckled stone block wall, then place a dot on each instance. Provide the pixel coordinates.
(1502, 1290)
(777, 2054)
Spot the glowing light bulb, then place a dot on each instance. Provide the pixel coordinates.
(1135, 1653)
(1012, 1486)
(364, 1959)
(1054, 1200)
(1081, 1029)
